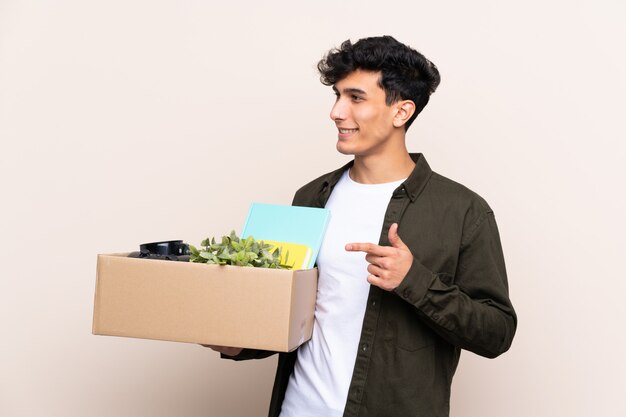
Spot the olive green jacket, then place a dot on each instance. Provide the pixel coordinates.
(455, 296)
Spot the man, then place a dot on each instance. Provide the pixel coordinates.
(391, 318)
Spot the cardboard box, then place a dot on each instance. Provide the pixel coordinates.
(261, 308)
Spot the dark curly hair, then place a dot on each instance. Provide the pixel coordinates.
(405, 73)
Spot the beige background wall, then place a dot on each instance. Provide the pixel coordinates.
(123, 122)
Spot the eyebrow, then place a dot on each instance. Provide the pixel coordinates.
(349, 90)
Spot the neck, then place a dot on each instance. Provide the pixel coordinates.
(379, 169)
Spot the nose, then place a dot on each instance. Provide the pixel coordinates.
(338, 112)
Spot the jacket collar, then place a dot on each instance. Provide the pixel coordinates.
(418, 179)
(412, 186)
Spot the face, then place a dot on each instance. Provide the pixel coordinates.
(364, 121)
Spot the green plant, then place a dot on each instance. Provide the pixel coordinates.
(241, 252)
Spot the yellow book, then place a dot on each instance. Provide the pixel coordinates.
(296, 255)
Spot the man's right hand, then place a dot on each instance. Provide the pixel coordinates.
(226, 350)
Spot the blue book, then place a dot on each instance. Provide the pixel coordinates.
(303, 225)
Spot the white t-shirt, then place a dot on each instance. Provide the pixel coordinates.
(319, 383)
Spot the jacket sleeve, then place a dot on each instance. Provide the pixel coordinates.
(471, 310)
(247, 354)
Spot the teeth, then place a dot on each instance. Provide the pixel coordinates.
(347, 130)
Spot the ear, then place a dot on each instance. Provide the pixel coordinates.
(404, 111)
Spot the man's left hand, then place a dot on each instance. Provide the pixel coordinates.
(388, 265)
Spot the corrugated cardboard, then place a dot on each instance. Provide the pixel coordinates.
(248, 307)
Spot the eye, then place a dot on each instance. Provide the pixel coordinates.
(356, 98)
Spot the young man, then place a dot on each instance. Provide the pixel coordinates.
(411, 270)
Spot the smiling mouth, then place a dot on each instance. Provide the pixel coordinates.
(346, 131)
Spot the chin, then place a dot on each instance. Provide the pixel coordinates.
(350, 150)
(344, 150)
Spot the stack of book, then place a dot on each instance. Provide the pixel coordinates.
(298, 231)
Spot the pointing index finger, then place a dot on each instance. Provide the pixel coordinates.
(368, 248)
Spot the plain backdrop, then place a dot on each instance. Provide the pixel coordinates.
(124, 122)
